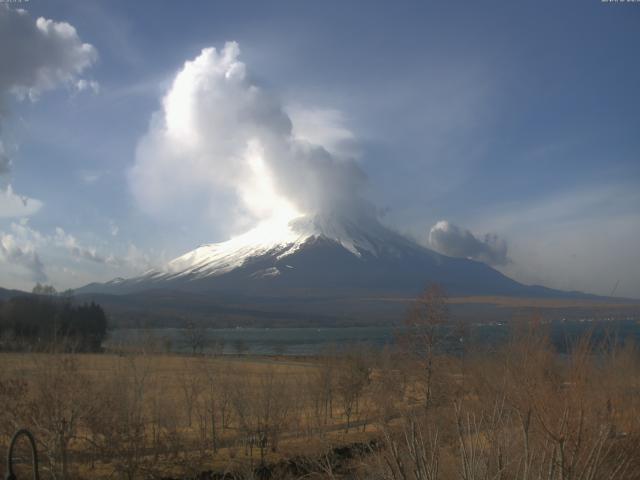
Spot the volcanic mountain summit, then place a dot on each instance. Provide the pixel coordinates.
(317, 256)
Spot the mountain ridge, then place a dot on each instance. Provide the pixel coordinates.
(321, 255)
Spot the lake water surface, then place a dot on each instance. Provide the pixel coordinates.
(313, 341)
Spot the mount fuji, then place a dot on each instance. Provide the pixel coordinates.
(321, 255)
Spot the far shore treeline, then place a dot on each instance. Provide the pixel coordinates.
(45, 319)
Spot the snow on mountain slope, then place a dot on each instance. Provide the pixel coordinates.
(318, 255)
(219, 258)
(280, 240)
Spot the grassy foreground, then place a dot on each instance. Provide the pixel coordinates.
(522, 412)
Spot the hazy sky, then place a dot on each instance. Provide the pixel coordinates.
(501, 131)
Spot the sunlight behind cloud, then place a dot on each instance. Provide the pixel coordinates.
(223, 150)
(259, 192)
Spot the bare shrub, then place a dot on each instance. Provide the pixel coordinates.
(262, 410)
(353, 377)
(121, 425)
(58, 400)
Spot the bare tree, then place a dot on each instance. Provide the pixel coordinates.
(195, 336)
(213, 395)
(122, 423)
(410, 453)
(262, 410)
(390, 386)
(320, 386)
(191, 385)
(240, 346)
(58, 401)
(423, 337)
(352, 378)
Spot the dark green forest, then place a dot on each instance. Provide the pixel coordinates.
(38, 322)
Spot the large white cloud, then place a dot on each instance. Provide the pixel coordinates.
(224, 148)
(35, 56)
(455, 241)
(18, 247)
(39, 55)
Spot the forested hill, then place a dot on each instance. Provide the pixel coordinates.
(41, 321)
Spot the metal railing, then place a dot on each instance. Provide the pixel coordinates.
(34, 454)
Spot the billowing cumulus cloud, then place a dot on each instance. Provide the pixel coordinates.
(36, 56)
(39, 55)
(224, 148)
(455, 241)
(18, 247)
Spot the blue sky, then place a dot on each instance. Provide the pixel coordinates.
(503, 118)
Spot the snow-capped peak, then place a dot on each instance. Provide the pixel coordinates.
(334, 253)
(225, 256)
(280, 238)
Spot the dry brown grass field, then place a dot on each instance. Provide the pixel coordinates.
(521, 412)
(151, 415)
(631, 306)
(546, 302)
